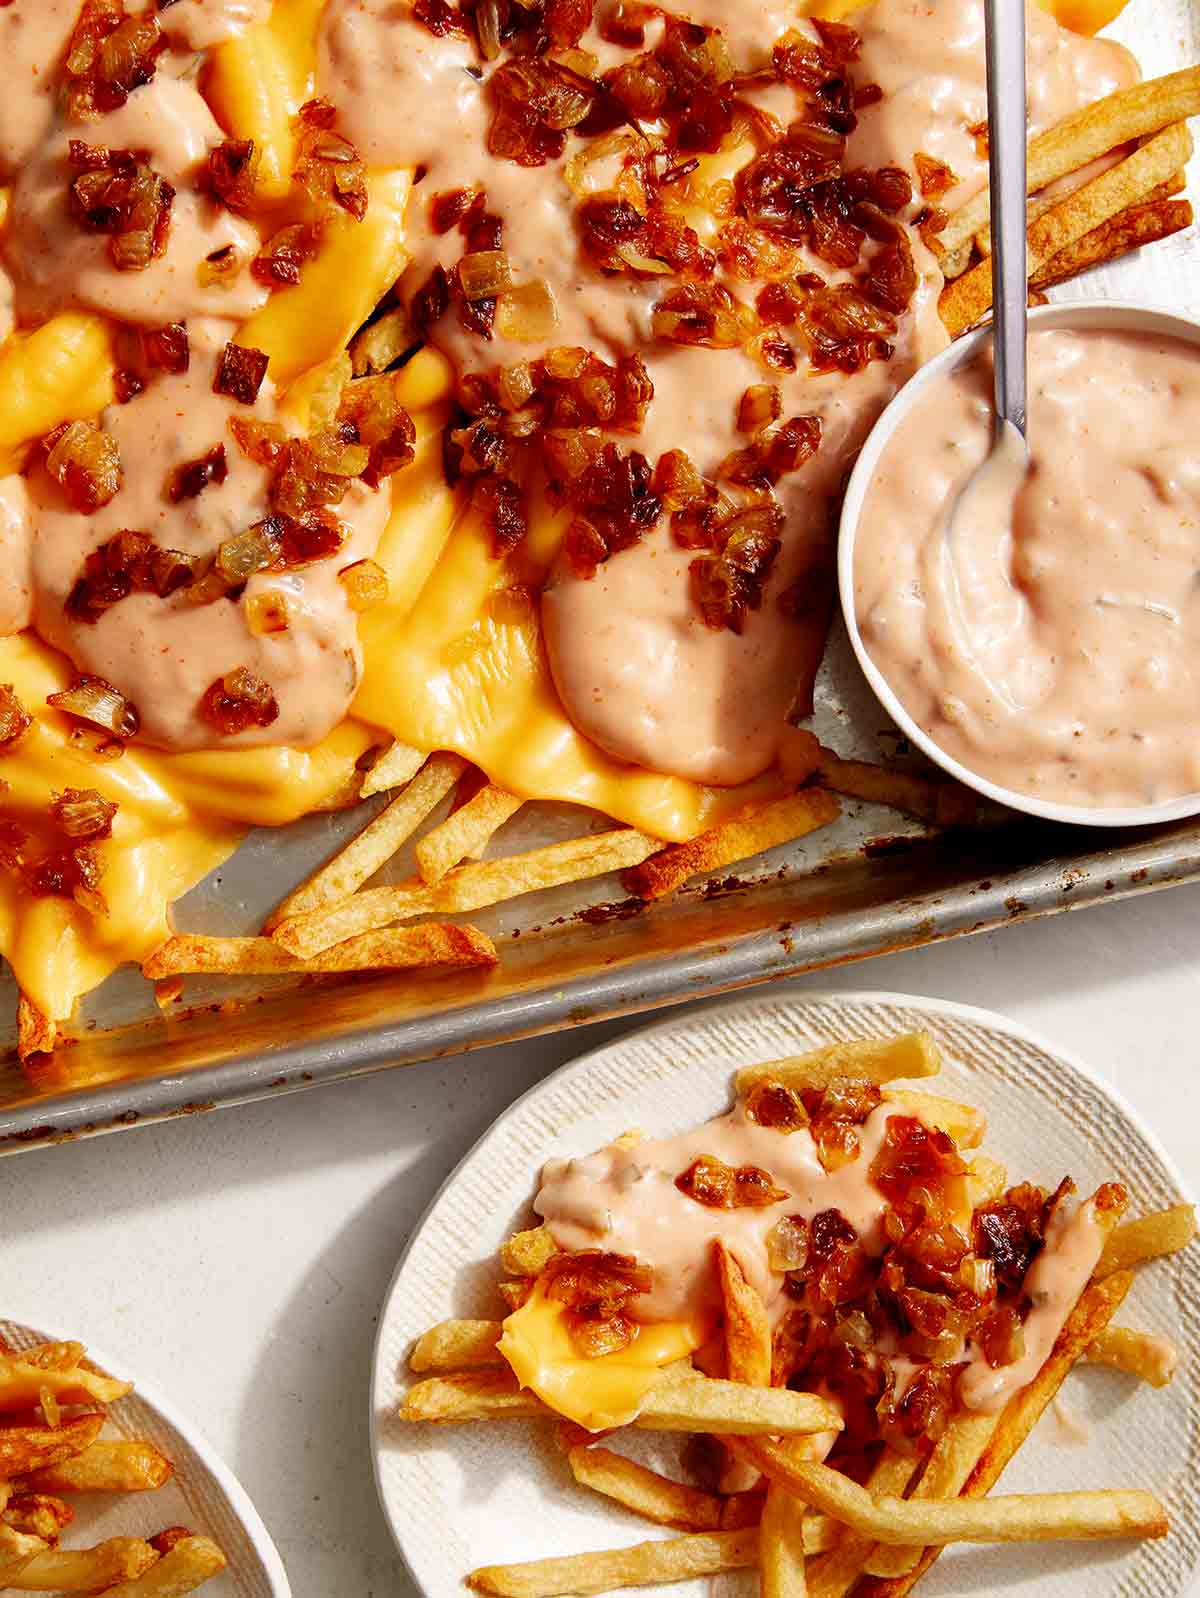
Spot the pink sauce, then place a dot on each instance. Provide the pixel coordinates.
(33, 36)
(1054, 646)
(164, 654)
(623, 1199)
(636, 668)
(201, 24)
(55, 263)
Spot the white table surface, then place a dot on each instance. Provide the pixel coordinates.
(238, 1260)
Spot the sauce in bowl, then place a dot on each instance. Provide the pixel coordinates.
(1052, 646)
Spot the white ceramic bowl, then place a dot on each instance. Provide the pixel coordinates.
(1113, 316)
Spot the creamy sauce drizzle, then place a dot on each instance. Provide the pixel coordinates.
(33, 36)
(1053, 645)
(623, 1199)
(636, 668)
(164, 654)
(55, 263)
(201, 24)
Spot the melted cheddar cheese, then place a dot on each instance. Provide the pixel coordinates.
(597, 1394)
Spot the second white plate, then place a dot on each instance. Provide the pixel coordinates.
(456, 1497)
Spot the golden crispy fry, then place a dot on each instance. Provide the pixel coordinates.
(87, 1569)
(1148, 1238)
(465, 833)
(1151, 1359)
(49, 1356)
(377, 842)
(188, 1564)
(456, 1345)
(393, 769)
(1014, 1423)
(1131, 230)
(1085, 136)
(1020, 1517)
(129, 1466)
(781, 1551)
(397, 949)
(963, 1122)
(675, 1404)
(835, 1575)
(677, 1559)
(37, 1515)
(763, 827)
(34, 1448)
(747, 1329)
(911, 1055)
(22, 1385)
(468, 887)
(667, 1502)
(968, 298)
(939, 800)
(36, 1033)
(1041, 203)
(528, 1253)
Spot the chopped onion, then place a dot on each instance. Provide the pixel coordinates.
(365, 583)
(94, 700)
(787, 1244)
(484, 274)
(266, 612)
(527, 313)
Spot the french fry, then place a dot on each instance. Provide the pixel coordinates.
(377, 842)
(468, 887)
(747, 1329)
(25, 1449)
(835, 1575)
(670, 1503)
(1151, 1359)
(465, 833)
(1012, 1426)
(1083, 137)
(393, 769)
(1131, 230)
(1150, 1237)
(781, 1554)
(676, 1559)
(909, 1056)
(36, 1032)
(688, 1404)
(1039, 204)
(528, 1253)
(22, 1385)
(968, 298)
(125, 1466)
(48, 1356)
(377, 346)
(37, 1515)
(1019, 1517)
(187, 1565)
(963, 1122)
(87, 1569)
(764, 827)
(397, 949)
(457, 1345)
(938, 800)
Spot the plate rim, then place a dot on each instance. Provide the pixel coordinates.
(239, 1499)
(581, 1062)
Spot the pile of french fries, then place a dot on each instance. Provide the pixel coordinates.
(53, 1407)
(333, 923)
(807, 1528)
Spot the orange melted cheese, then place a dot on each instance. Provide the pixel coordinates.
(452, 661)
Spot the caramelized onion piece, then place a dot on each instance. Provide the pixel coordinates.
(240, 373)
(527, 313)
(98, 702)
(728, 584)
(365, 583)
(760, 405)
(129, 563)
(718, 1186)
(107, 57)
(166, 349)
(238, 701)
(266, 612)
(86, 463)
(15, 720)
(787, 1244)
(232, 172)
(279, 261)
(770, 1103)
(73, 873)
(117, 193)
(328, 167)
(1010, 1233)
(192, 478)
(83, 814)
(595, 1289)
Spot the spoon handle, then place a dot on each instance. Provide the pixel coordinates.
(1005, 21)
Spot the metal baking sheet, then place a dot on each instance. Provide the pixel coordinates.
(873, 883)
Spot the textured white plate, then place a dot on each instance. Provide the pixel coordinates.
(461, 1496)
(202, 1494)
